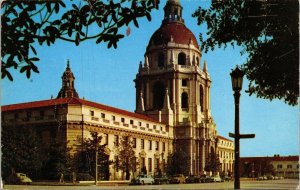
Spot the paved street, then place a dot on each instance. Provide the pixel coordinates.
(275, 184)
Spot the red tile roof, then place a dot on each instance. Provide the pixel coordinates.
(178, 31)
(223, 138)
(73, 101)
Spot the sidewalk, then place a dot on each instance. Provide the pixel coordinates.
(82, 183)
(55, 183)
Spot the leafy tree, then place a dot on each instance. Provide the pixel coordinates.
(260, 167)
(178, 163)
(21, 150)
(212, 163)
(25, 24)
(58, 160)
(268, 32)
(127, 161)
(86, 159)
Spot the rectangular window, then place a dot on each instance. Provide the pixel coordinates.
(157, 145)
(28, 114)
(125, 139)
(122, 119)
(279, 166)
(142, 144)
(142, 162)
(16, 115)
(42, 113)
(134, 142)
(117, 163)
(92, 113)
(116, 140)
(147, 125)
(131, 122)
(106, 139)
(140, 123)
(103, 115)
(113, 118)
(164, 146)
(154, 126)
(289, 166)
(150, 164)
(150, 145)
(184, 82)
(156, 164)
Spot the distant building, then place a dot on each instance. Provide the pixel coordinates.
(172, 106)
(225, 150)
(281, 166)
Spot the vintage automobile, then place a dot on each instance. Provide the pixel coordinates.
(143, 179)
(206, 179)
(192, 179)
(161, 180)
(217, 179)
(226, 178)
(179, 178)
(18, 178)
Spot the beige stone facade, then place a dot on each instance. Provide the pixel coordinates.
(282, 166)
(173, 88)
(72, 118)
(225, 150)
(286, 166)
(172, 106)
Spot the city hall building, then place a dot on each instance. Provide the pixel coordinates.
(172, 106)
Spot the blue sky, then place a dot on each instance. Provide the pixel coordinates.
(106, 76)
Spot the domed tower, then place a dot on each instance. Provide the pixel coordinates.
(172, 88)
(67, 90)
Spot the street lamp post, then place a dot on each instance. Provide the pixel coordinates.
(237, 82)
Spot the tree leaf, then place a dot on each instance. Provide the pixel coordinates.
(33, 50)
(77, 39)
(28, 73)
(135, 23)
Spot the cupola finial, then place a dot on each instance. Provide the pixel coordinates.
(68, 63)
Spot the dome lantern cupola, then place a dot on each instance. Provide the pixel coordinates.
(173, 12)
(67, 90)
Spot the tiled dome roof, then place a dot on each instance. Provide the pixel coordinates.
(178, 31)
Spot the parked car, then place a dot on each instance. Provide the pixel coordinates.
(262, 178)
(270, 177)
(217, 179)
(226, 178)
(18, 178)
(179, 178)
(143, 179)
(161, 180)
(192, 179)
(206, 179)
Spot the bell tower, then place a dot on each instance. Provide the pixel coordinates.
(67, 90)
(173, 88)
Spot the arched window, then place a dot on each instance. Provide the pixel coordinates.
(181, 58)
(161, 60)
(158, 95)
(201, 98)
(184, 100)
